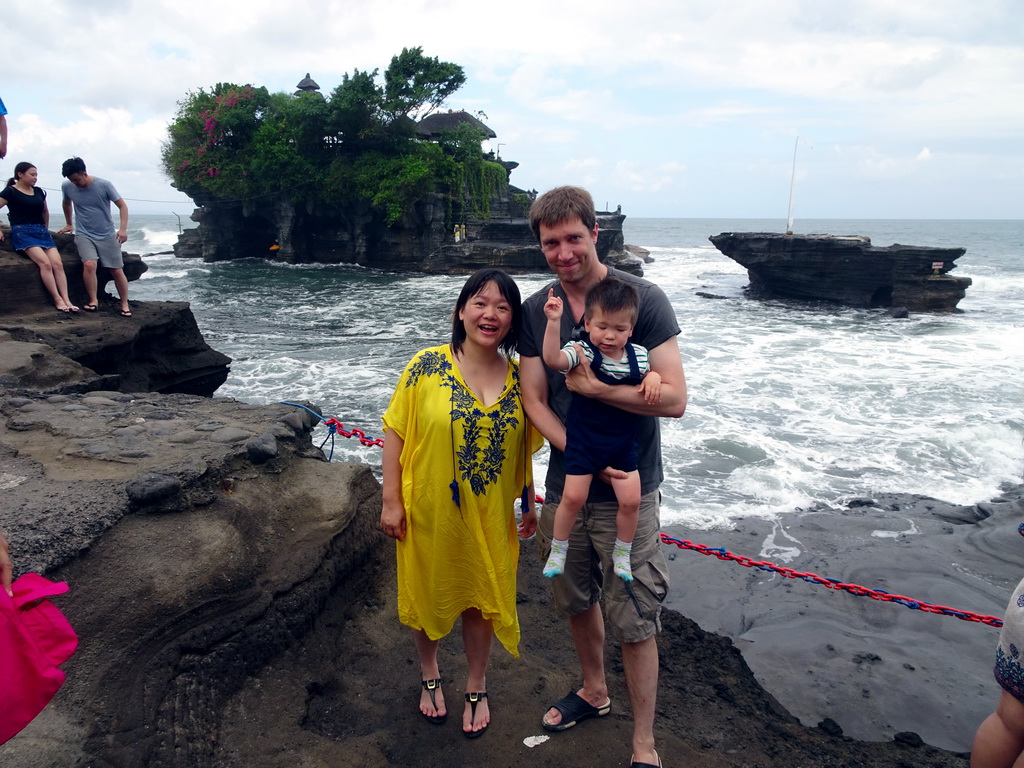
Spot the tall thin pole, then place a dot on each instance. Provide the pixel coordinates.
(792, 185)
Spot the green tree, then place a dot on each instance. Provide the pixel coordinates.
(415, 85)
(240, 141)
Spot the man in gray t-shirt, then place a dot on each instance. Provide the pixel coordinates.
(97, 241)
(565, 224)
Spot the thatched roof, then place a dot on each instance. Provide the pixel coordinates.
(431, 126)
(307, 84)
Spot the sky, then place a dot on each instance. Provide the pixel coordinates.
(887, 109)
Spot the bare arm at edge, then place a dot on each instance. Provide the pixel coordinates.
(664, 359)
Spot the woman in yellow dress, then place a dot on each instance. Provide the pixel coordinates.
(457, 454)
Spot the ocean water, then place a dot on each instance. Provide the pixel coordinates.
(790, 404)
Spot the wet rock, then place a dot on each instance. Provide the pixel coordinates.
(262, 448)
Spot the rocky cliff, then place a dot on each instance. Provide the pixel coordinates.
(236, 604)
(158, 349)
(236, 609)
(848, 270)
(307, 232)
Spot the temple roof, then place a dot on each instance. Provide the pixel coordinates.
(431, 126)
(308, 84)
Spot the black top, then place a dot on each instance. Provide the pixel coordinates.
(24, 209)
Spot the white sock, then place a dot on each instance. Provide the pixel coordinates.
(556, 560)
(620, 559)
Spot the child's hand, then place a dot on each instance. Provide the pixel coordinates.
(553, 306)
(650, 388)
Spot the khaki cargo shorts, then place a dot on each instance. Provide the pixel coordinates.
(633, 609)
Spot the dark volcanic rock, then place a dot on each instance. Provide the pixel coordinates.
(848, 270)
(511, 246)
(236, 606)
(322, 234)
(21, 286)
(158, 349)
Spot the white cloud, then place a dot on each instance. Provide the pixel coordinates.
(588, 92)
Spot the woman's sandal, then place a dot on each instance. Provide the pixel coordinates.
(432, 687)
(473, 699)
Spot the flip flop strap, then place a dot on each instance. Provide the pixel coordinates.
(431, 686)
(473, 699)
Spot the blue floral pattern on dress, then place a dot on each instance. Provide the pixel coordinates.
(1009, 673)
(479, 459)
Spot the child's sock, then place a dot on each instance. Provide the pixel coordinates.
(556, 560)
(620, 559)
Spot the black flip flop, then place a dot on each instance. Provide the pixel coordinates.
(636, 764)
(432, 687)
(474, 699)
(574, 709)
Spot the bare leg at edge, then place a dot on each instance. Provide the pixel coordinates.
(999, 742)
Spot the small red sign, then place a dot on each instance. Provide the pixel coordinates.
(938, 264)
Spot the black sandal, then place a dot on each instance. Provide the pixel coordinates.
(473, 699)
(432, 687)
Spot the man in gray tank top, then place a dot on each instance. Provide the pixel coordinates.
(97, 240)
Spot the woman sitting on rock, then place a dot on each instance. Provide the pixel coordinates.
(457, 455)
(30, 232)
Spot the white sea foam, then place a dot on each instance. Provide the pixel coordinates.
(791, 405)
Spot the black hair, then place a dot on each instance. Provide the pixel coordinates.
(613, 295)
(19, 169)
(510, 292)
(72, 165)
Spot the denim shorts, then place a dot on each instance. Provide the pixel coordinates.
(25, 236)
(633, 609)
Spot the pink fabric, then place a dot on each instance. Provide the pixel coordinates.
(34, 638)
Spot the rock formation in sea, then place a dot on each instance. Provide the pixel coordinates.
(322, 234)
(236, 604)
(847, 269)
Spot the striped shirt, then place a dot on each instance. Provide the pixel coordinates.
(617, 369)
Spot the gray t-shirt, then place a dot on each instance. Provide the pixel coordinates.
(92, 208)
(655, 325)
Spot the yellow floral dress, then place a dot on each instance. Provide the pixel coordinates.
(463, 466)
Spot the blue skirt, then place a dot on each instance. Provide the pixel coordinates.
(24, 236)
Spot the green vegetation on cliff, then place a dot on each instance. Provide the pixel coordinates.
(241, 142)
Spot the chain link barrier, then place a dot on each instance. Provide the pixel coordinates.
(813, 578)
(335, 427)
